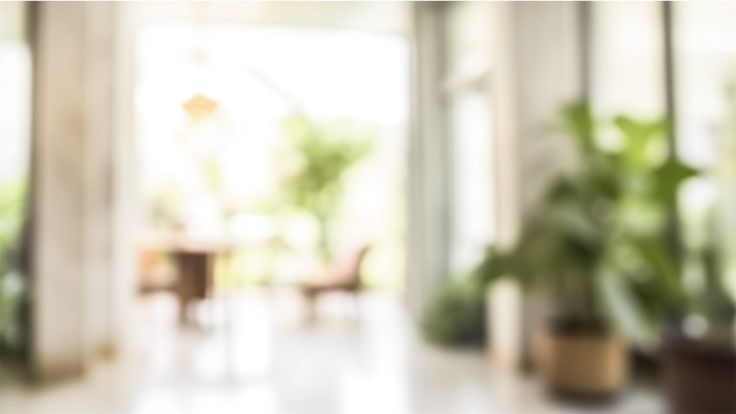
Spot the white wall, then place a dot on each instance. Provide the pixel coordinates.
(548, 66)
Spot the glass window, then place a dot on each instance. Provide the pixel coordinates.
(627, 72)
(705, 70)
(218, 177)
(470, 128)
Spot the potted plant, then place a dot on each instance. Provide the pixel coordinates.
(579, 352)
(561, 251)
(604, 227)
(455, 315)
(594, 228)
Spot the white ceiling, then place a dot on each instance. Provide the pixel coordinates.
(388, 17)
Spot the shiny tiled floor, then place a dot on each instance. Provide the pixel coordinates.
(255, 354)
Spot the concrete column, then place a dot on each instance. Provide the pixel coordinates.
(74, 241)
(99, 109)
(59, 250)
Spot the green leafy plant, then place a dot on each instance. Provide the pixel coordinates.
(455, 315)
(656, 279)
(604, 238)
(12, 197)
(643, 263)
(316, 159)
(565, 240)
(601, 241)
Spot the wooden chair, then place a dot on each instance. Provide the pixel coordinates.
(342, 275)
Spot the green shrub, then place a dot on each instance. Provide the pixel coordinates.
(12, 196)
(455, 315)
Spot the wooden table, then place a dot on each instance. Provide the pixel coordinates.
(195, 281)
(195, 263)
(195, 267)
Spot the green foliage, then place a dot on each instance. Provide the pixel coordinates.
(714, 301)
(12, 197)
(564, 241)
(603, 240)
(316, 160)
(610, 217)
(455, 316)
(643, 244)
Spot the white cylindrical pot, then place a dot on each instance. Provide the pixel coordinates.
(504, 323)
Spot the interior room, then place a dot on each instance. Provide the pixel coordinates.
(361, 207)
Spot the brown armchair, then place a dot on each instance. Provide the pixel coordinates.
(341, 275)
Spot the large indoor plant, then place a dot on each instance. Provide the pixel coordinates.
(562, 251)
(603, 223)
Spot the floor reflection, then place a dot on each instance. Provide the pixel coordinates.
(254, 352)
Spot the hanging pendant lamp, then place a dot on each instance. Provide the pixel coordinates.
(199, 106)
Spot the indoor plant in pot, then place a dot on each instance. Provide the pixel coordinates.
(603, 227)
(604, 224)
(562, 251)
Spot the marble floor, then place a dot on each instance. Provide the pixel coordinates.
(253, 352)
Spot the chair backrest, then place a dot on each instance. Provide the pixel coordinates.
(349, 267)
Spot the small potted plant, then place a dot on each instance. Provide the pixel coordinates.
(455, 315)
